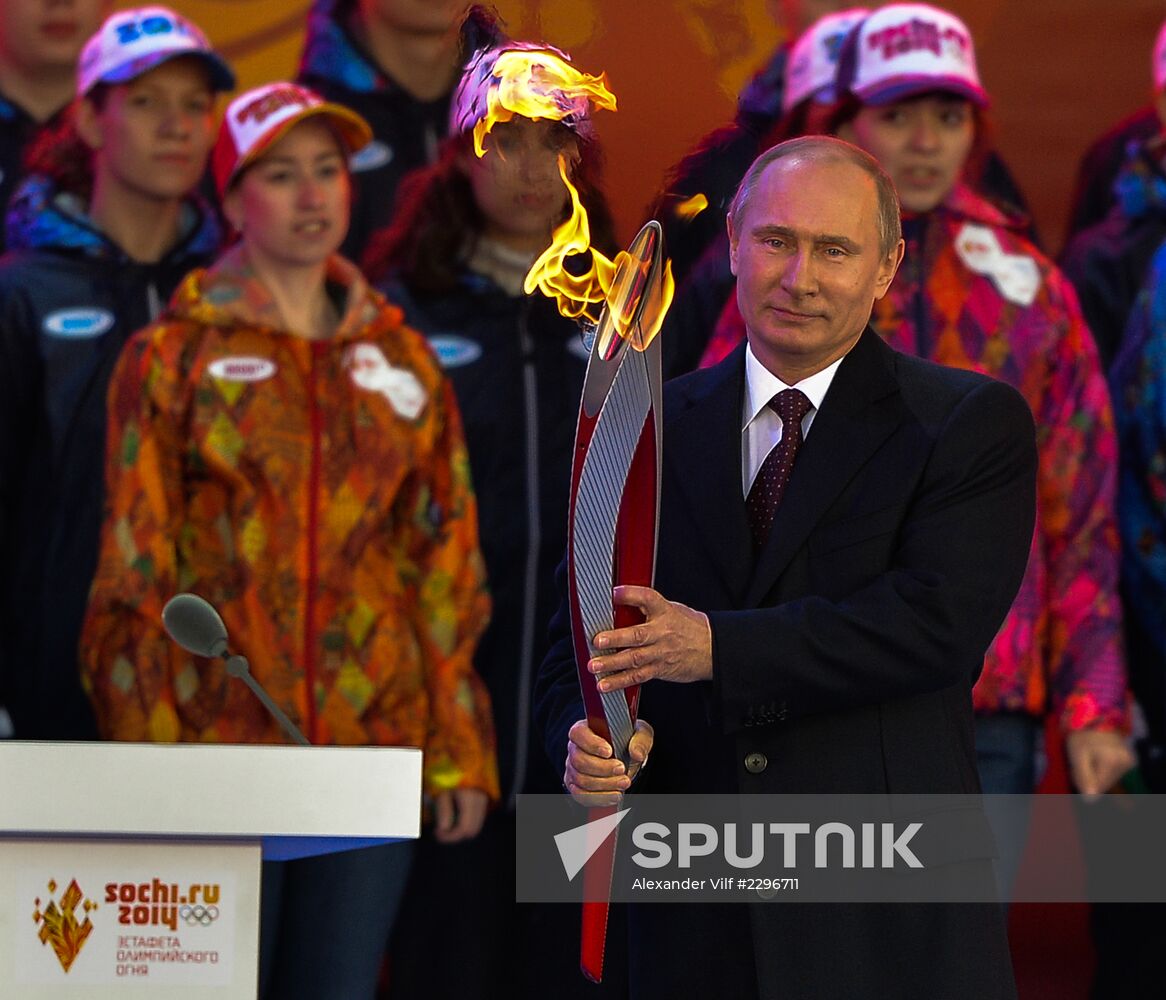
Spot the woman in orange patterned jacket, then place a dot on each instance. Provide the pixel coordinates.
(281, 444)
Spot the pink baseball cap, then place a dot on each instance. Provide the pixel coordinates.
(812, 66)
(906, 49)
(1160, 60)
(262, 116)
(132, 42)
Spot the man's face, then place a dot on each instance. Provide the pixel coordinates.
(923, 143)
(808, 265)
(47, 35)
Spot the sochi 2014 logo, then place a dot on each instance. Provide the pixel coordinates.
(59, 925)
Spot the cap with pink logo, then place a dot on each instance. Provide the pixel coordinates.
(812, 66)
(907, 49)
(260, 117)
(1160, 60)
(132, 42)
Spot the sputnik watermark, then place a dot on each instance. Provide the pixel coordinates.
(881, 844)
(824, 848)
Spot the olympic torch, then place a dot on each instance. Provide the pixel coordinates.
(613, 517)
(615, 477)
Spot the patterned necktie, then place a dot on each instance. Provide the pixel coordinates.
(767, 489)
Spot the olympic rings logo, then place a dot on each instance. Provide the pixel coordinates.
(199, 915)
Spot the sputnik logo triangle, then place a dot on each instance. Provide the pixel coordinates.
(578, 844)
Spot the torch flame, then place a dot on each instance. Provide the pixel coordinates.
(621, 284)
(690, 208)
(539, 84)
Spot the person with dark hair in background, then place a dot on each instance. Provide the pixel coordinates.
(842, 529)
(1108, 261)
(395, 63)
(284, 446)
(39, 44)
(100, 233)
(465, 234)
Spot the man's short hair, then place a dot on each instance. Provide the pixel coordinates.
(827, 149)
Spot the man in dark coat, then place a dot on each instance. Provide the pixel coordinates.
(830, 647)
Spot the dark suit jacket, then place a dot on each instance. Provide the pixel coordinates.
(845, 654)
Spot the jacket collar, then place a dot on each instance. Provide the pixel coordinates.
(964, 204)
(230, 294)
(41, 217)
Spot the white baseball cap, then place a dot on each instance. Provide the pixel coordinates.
(260, 117)
(132, 42)
(1160, 60)
(812, 66)
(906, 49)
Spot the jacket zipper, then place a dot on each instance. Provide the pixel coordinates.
(533, 543)
(153, 300)
(312, 540)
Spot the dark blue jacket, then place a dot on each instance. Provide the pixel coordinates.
(517, 367)
(1108, 262)
(1093, 192)
(406, 132)
(69, 299)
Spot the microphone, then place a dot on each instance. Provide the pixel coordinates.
(197, 627)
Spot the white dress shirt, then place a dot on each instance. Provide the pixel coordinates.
(760, 426)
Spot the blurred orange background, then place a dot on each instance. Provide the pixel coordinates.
(1059, 71)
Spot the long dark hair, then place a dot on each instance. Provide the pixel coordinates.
(60, 153)
(436, 220)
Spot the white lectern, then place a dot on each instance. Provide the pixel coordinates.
(132, 870)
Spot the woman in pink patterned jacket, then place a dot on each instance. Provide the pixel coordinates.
(974, 293)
